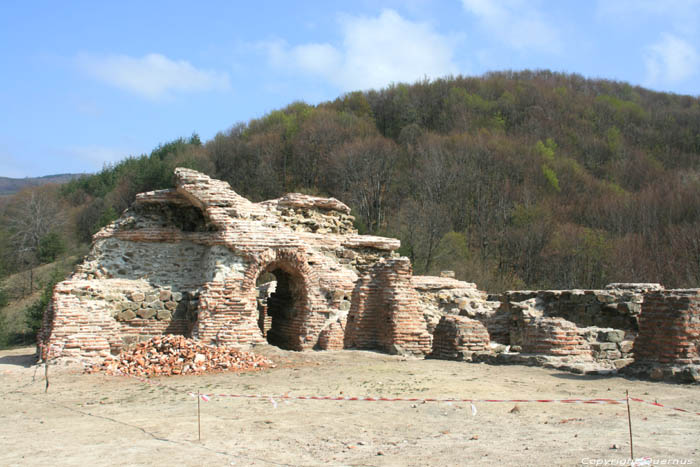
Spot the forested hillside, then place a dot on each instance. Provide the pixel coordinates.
(513, 179)
(10, 186)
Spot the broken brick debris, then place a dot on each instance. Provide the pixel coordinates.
(177, 355)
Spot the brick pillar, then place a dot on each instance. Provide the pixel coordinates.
(669, 327)
(385, 311)
(456, 335)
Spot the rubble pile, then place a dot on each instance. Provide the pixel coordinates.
(177, 355)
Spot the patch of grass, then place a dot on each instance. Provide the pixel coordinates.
(21, 317)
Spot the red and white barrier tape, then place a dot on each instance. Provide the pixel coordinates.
(407, 399)
(656, 404)
(287, 397)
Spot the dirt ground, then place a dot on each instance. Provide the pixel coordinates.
(103, 420)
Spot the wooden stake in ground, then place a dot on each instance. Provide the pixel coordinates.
(46, 375)
(199, 424)
(629, 423)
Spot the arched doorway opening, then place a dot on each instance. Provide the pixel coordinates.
(282, 304)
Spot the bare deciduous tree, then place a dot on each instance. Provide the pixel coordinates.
(32, 216)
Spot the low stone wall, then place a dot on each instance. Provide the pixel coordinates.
(93, 319)
(457, 337)
(447, 296)
(610, 308)
(591, 330)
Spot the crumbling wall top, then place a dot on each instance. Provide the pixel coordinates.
(438, 283)
(207, 193)
(635, 286)
(371, 241)
(169, 196)
(298, 200)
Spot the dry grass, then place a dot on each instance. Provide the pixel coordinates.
(17, 287)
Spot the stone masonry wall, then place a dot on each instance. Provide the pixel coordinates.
(445, 296)
(553, 336)
(407, 330)
(94, 318)
(609, 308)
(669, 328)
(187, 260)
(533, 331)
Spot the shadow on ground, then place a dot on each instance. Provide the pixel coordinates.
(26, 360)
(574, 376)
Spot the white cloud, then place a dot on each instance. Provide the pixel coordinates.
(153, 76)
(671, 60)
(517, 23)
(374, 53)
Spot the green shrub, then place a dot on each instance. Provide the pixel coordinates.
(34, 313)
(51, 246)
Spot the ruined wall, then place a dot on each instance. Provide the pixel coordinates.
(669, 328)
(446, 296)
(549, 336)
(127, 290)
(91, 318)
(610, 308)
(187, 260)
(304, 213)
(586, 325)
(407, 329)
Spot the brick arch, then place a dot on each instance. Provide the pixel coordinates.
(292, 306)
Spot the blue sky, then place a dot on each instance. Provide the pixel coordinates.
(87, 83)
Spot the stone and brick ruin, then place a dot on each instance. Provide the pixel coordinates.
(198, 261)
